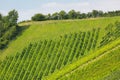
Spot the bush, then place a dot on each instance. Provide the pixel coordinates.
(38, 17)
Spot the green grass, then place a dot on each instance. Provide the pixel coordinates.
(55, 48)
(98, 69)
(113, 75)
(52, 30)
(80, 62)
(42, 58)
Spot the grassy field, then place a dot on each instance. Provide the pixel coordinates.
(52, 30)
(45, 57)
(76, 66)
(102, 67)
(63, 49)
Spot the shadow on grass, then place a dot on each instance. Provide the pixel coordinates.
(20, 30)
(18, 33)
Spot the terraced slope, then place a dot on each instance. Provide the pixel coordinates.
(45, 57)
(93, 66)
(51, 30)
(46, 50)
(98, 68)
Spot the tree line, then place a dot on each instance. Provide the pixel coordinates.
(72, 14)
(8, 27)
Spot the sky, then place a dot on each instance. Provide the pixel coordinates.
(27, 8)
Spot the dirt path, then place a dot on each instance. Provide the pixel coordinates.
(91, 61)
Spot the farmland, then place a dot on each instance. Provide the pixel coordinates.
(44, 30)
(52, 50)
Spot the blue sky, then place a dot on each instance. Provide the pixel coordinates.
(28, 8)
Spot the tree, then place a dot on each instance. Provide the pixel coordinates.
(8, 27)
(0, 16)
(63, 14)
(13, 17)
(95, 13)
(1, 25)
(48, 17)
(83, 15)
(55, 16)
(38, 17)
(100, 13)
(1, 28)
(117, 12)
(89, 14)
(78, 15)
(72, 14)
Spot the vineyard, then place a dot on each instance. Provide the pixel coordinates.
(74, 50)
(82, 74)
(60, 40)
(42, 58)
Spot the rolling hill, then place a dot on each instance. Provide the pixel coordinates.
(64, 50)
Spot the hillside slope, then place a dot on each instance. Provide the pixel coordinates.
(98, 68)
(45, 57)
(92, 67)
(59, 48)
(52, 30)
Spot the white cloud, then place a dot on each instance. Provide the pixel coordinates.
(85, 6)
(26, 14)
(106, 5)
(49, 8)
(65, 6)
